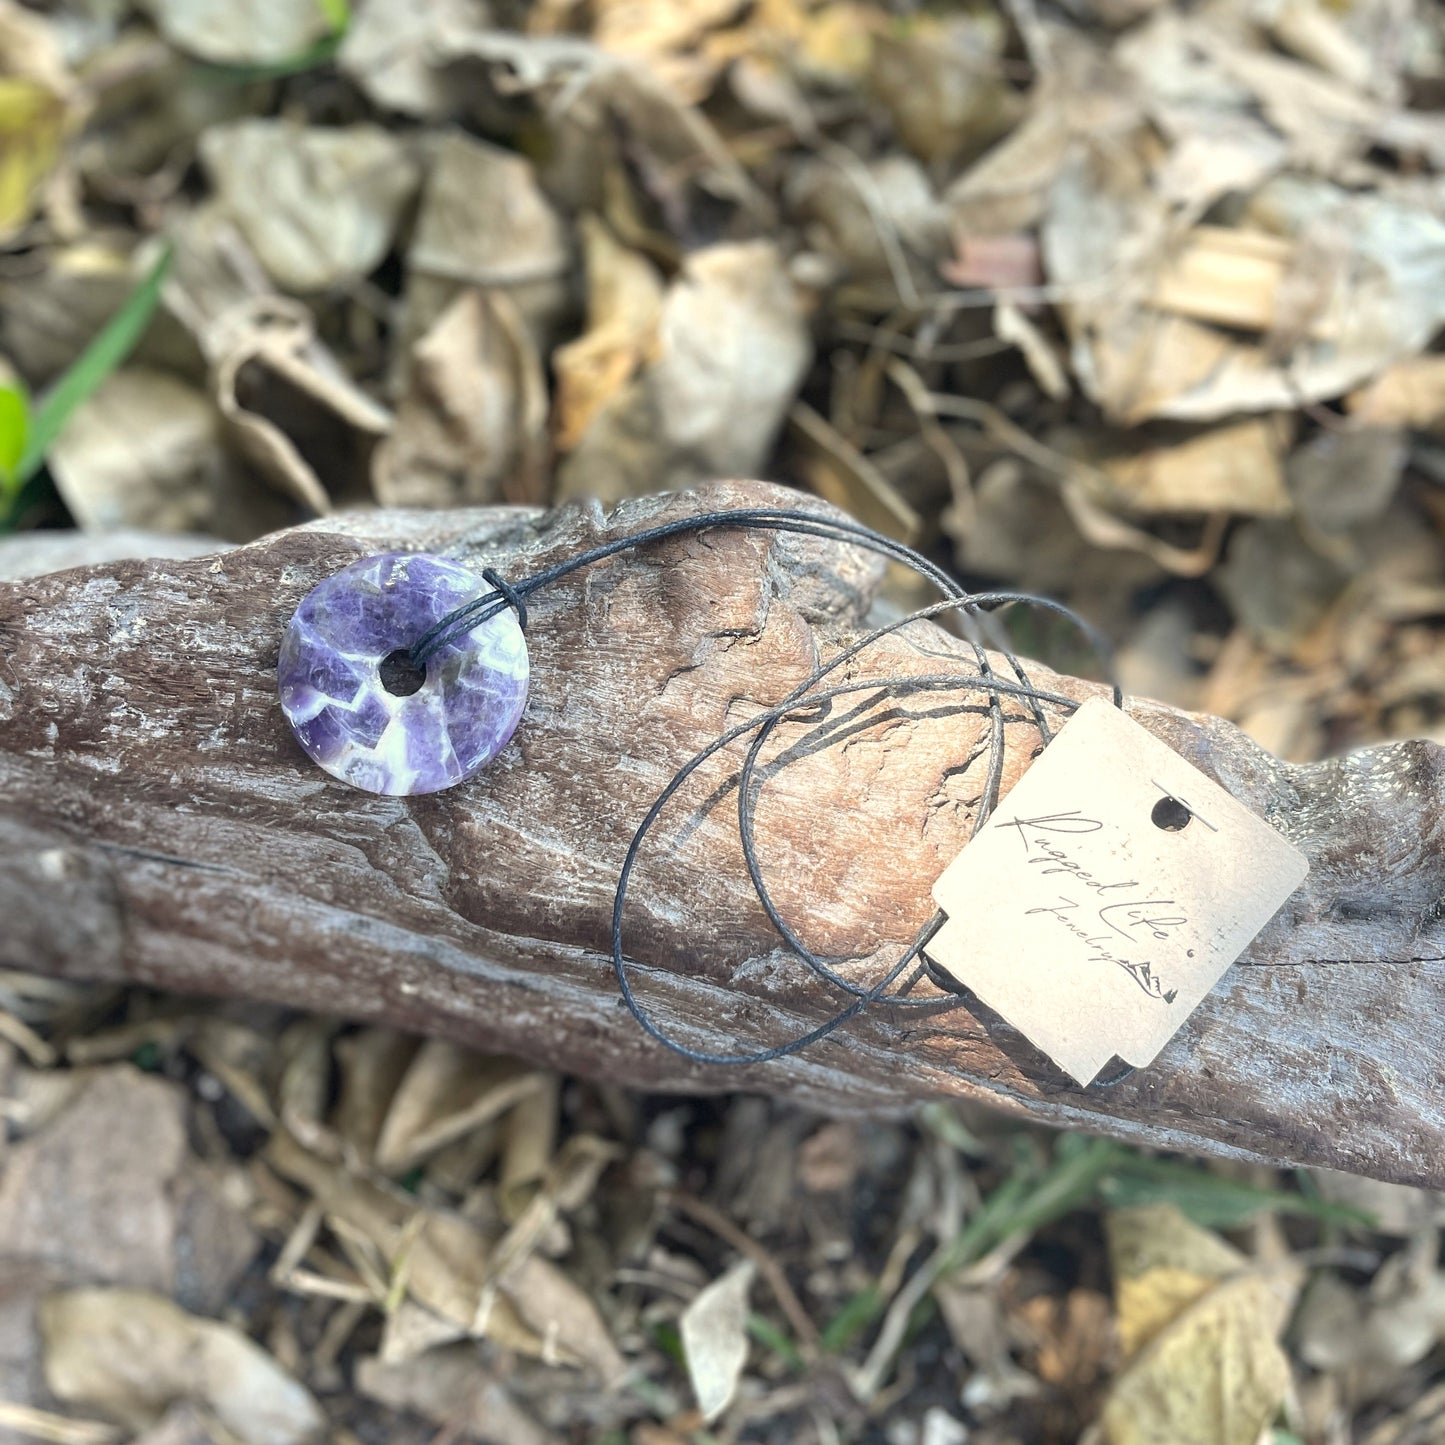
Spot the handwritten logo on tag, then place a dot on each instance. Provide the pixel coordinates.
(1095, 910)
(1083, 921)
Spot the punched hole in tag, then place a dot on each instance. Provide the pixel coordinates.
(1172, 814)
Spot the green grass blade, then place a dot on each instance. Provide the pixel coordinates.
(775, 1341)
(116, 340)
(852, 1319)
(14, 424)
(1213, 1201)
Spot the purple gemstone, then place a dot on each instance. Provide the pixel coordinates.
(332, 694)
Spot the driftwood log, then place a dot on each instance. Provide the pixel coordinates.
(159, 824)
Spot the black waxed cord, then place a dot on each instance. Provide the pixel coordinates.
(507, 593)
(453, 629)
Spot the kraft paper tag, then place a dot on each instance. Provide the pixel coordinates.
(1108, 893)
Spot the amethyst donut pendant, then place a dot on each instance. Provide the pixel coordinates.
(332, 689)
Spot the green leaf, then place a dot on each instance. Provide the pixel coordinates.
(851, 1320)
(14, 423)
(669, 1341)
(116, 340)
(1211, 1200)
(774, 1340)
(337, 13)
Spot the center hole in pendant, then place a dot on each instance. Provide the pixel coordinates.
(400, 676)
(1170, 814)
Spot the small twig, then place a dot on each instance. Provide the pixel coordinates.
(918, 396)
(886, 231)
(803, 1326)
(27, 1041)
(60, 1429)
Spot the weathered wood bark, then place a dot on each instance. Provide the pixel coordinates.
(158, 823)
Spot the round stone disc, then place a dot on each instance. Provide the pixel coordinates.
(331, 683)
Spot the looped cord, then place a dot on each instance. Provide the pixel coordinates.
(508, 593)
(813, 707)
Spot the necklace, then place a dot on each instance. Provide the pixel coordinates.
(407, 673)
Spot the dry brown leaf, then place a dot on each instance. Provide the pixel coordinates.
(241, 32)
(131, 1355)
(567, 1184)
(471, 425)
(1200, 1330)
(941, 81)
(1227, 275)
(145, 451)
(1340, 479)
(1306, 29)
(1237, 468)
(828, 43)
(80, 1197)
(140, 136)
(397, 53)
(411, 1330)
(1327, 124)
(47, 320)
(444, 1259)
(484, 221)
(1377, 1332)
(1409, 394)
(1344, 283)
(445, 1263)
(446, 1092)
(1007, 190)
(183, 1424)
(1162, 1263)
(714, 1330)
(1215, 1376)
(871, 218)
(629, 149)
(372, 1063)
(301, 1068)
(333, 197)
(37, 109)
(667, 37)
(453, 1389)
(565, 1318)
(529, 1145)
(1213, 155)
(289, 408)
(732, 349)
(624, 306)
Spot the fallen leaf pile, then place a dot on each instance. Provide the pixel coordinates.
(1118, 299)
(234, 1223)
(1134, 302)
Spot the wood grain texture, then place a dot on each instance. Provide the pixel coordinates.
(158, 823)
